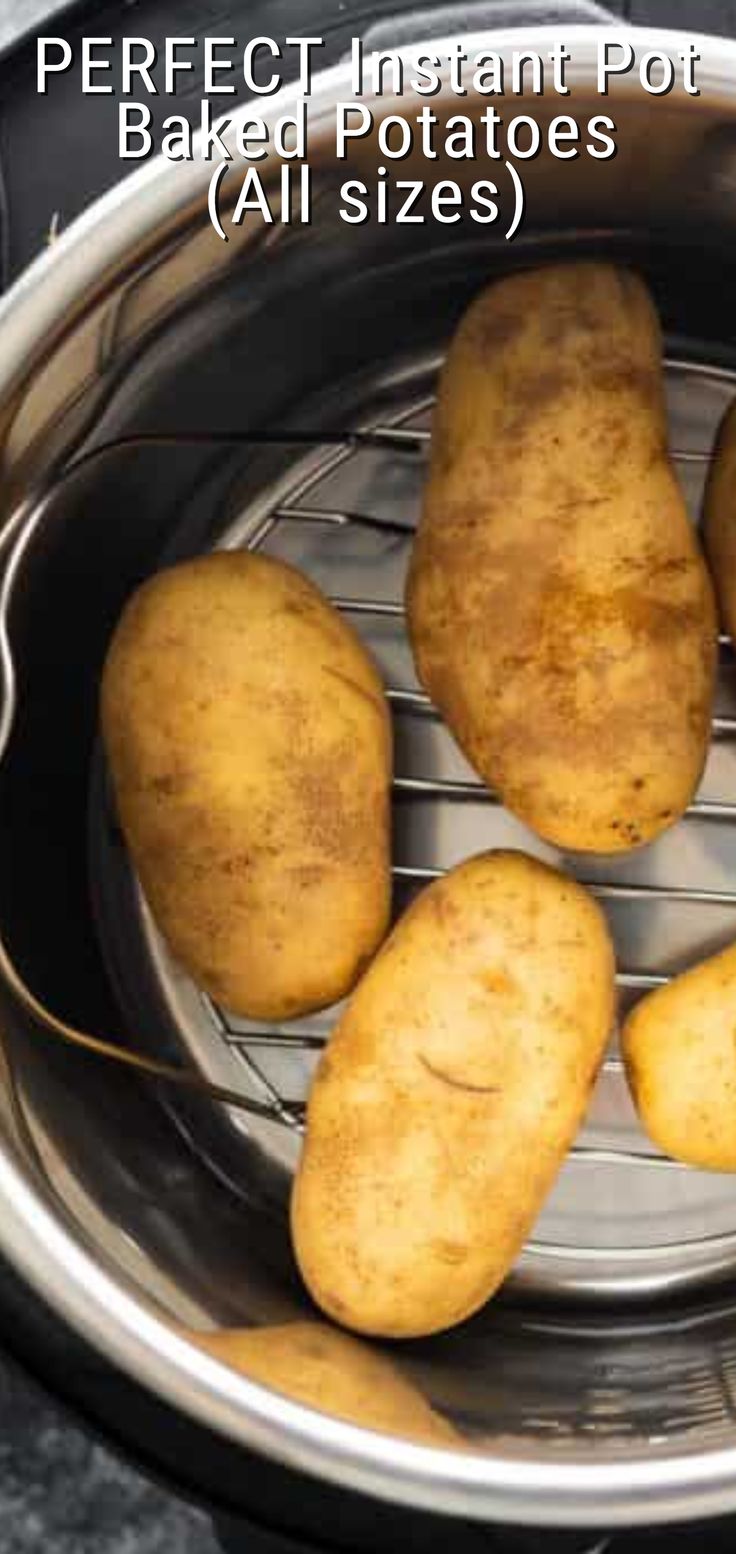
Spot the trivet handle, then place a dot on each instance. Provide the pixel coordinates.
(187, 1078)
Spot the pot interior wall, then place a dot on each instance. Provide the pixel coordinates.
(270, 341)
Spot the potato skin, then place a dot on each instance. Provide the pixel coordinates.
(314, 1363)
(680, 1056)
(560, 612)
(719, 521)
(448, 1095)
(249, 744)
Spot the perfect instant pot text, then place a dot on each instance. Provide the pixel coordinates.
(391, 131)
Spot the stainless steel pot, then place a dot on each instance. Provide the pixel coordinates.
(161, 392)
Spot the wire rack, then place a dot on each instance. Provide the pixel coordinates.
(345, 510)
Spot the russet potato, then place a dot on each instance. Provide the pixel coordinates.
(249, 744)
(448, 1095)
(680, 1055)
(314, 1363)
(560, 611)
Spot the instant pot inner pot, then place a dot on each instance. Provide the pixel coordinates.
(283, 403)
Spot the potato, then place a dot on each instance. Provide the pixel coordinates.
(560, 611)
(680, 1056)
(719, 521)
(313, 1363)
(448, 1095)
(250, 750)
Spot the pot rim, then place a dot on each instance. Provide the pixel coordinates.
(501, 1484)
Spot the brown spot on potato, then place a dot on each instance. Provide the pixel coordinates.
(450, 1252)
(167, 784)
(304, 875)
(493, 330)
(625, 376)
(238, 863)
(538, 394)
(497, 981)
(443, 906)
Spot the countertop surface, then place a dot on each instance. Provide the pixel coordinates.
(61, 1492)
